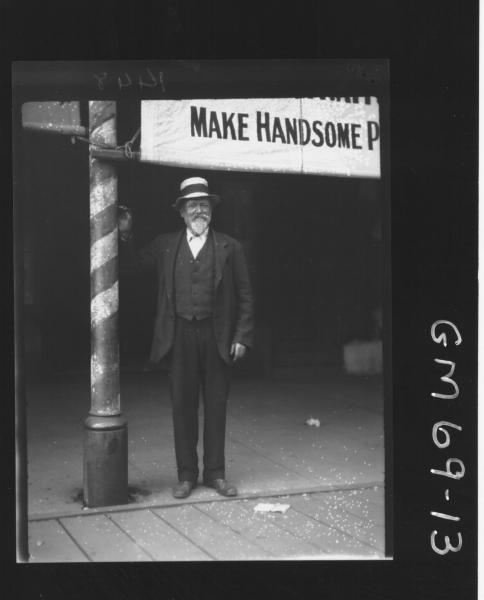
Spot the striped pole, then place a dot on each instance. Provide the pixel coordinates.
(105, 431)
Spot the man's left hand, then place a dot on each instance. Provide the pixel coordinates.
(237, 351)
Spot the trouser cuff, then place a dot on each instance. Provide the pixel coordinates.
(186, 476)
(213, 475)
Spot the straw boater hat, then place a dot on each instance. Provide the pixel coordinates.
(194, 187)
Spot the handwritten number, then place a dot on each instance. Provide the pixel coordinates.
(162, 81)
(439, 427)
(126, 84)
(448, 546)
(148, 79)
(100, 80)
(448, 472)
(444, 516)
(150, 84)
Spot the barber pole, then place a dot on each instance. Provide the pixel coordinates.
(105, 438)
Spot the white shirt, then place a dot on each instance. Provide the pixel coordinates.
(196, 242)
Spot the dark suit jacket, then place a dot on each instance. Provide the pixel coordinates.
(233, 315)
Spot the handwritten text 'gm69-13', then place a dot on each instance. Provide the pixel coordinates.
(454, 467)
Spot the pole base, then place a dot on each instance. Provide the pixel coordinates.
(105, 461)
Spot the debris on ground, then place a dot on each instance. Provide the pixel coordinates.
(268, 507)
(313, 422)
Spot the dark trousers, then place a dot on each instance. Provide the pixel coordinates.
(196, 366)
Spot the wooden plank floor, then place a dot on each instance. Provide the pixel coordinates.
(157, 537)
(50, 542)
(317, 526)
(102, 540)
(260, 529)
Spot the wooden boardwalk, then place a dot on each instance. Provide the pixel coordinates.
(316, 526)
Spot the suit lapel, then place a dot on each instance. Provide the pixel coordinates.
(220, 247)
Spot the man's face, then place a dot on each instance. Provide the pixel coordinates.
(197, 214)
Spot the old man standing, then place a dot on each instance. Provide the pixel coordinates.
(204, 323)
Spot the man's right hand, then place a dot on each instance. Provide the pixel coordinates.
(125, 223)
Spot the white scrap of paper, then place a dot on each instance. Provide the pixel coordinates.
(267, 507)
(313, 422)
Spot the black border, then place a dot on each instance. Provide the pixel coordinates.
(432, 49)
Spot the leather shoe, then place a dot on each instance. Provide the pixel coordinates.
(183, 489)
(222, 487)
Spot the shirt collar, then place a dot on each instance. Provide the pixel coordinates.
(202, 237)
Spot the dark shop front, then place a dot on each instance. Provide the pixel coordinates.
(313, 243)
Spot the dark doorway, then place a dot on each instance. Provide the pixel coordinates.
(320, 253)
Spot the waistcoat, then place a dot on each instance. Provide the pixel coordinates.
(194, 280)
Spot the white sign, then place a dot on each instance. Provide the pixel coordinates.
(285, 135)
